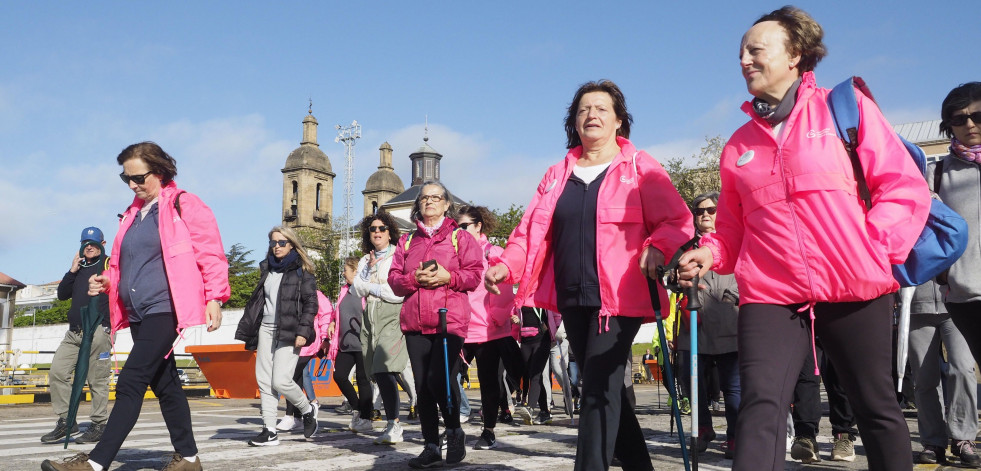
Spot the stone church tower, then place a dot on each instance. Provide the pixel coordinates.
(384, 184)
(308, 182)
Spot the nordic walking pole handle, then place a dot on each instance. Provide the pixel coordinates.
(442, 320)
(655, 297)
(693, 303)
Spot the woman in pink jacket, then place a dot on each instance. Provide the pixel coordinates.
(601, 220)
(434, 267)
(168, 272)
(489, 335)
(808, 257)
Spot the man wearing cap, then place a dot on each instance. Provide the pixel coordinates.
(89, 260)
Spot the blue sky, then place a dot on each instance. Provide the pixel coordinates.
(223, 87)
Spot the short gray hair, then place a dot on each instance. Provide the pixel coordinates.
(416, 214)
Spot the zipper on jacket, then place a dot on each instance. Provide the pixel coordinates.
(582, 243)
(793, 216)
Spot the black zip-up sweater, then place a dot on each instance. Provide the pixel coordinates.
(75, 286)
(574, 243)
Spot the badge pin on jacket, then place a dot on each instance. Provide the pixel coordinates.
(745, 158)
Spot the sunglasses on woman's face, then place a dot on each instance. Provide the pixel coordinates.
(377, 228)
(701, 211)
(465, 225)
(281, 243)
(961, 119)
(138, 179)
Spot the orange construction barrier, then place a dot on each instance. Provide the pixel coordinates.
(655, 369)
(230, 370)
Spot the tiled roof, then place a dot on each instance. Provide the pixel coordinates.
(920, 132)
(6, 280)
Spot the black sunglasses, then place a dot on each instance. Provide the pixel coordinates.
(377, 228)
(701, 211)
(138, 179)
(281, 243)
(961, 119)
(465, 225)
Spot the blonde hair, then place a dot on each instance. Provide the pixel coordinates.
(293, 239)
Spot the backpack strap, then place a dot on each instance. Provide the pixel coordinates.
(844, 110)
(453, 238)
(938, 173)
(409, 239)
(177, 202)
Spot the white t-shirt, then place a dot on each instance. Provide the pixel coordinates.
(588, 174)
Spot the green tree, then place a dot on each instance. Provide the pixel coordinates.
(58, 314)
(322, 246)
(243, 276)
(691, 181)
(506, 222)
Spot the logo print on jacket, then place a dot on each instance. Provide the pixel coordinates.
(824, 132)
(745, 158)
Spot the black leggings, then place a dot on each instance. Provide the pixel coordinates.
(146, 365)
(534, 352)
(342, 369)
(489, 355)
(298, 379)
(773, 344)
(388, 387)
(429, 368)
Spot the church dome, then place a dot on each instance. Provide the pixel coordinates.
(384, 180)
(308, 156)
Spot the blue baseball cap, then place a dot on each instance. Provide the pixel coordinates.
(92, 234)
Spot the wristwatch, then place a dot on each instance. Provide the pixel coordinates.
(220, 304)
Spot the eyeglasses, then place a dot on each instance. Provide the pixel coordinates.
(701, 211)
(281, 243)
(138, 179)
(961, 119)
(465, 225)
(377, 228)
(433, 198)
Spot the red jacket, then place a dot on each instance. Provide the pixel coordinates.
(193, 256)
(638, 207)
(420, 310)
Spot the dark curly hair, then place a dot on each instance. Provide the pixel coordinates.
(958, 99)
(486, 218)
(387, 220)
(619, 106)
(804, 35)
(159, 162)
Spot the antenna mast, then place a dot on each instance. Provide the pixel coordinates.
(349, 136)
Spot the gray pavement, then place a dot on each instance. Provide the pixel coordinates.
(222, 428)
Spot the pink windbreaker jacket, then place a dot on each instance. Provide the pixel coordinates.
(491, 318)
(791, 224)
(420, 310)
(193, 256)
(325, 312)
(638, 207)
(334, 316)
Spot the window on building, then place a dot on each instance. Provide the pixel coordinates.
(293, 200)
(318, 195)
(374, 207)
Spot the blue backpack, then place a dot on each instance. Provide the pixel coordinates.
(944, 238)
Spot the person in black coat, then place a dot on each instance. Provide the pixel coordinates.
(277, 322)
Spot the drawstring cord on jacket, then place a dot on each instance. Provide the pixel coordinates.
(810, 308)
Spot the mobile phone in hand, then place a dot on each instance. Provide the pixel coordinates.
(429, 264)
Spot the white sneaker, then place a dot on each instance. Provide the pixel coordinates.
(524, 413)
(392, 435)
(359, 425)
(464, 418)
(288, 423)
(316, 408)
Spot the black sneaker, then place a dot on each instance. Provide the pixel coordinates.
(544, 417)
(58, 433)
(486, 441)
(265, 438)
(412, 413)
(967, 453)
(310, 424)
(932, 455)
(92, 435)
(344, 408)
(376, 415)
(505, 417)
(456, 445)
(576, 403)
(429, 458)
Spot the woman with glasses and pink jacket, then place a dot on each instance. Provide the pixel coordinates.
(601, 220)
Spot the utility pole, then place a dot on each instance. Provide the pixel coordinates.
(349, 136)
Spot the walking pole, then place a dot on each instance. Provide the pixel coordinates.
(693, 306)
(675, 406)
(446, 360)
